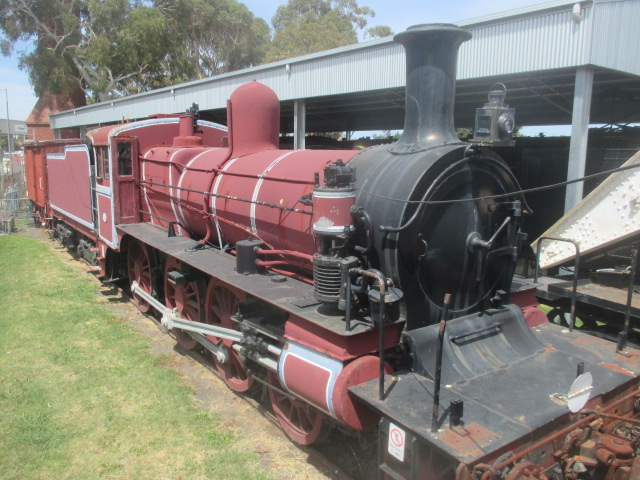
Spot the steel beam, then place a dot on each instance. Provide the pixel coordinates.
(299, 124)
(579, 135)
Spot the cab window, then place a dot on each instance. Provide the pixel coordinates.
(104, 155)
(98, 160)
(124, 159)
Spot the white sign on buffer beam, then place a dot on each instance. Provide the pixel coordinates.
(397, 438)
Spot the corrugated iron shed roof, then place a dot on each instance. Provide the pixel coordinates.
(533, 50)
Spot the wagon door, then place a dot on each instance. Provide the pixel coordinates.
(40, 189)
(125, 181)
(103, 195)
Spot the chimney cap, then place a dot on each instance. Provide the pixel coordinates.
(417, 31)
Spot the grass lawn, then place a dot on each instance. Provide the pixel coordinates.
(80, 394)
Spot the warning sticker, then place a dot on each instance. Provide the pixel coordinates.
(396, 441)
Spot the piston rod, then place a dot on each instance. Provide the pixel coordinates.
(171, 320)
(268, 363)
(200, 331)
(221, 353)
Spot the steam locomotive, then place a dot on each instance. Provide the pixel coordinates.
(364, 290)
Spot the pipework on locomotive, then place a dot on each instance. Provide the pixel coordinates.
(363, 289)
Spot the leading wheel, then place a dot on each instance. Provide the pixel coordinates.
(221, 303)
(140, 270)
(302, 424)
(186, 299)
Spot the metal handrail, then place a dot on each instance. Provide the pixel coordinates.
(622, 336)
(576, 268)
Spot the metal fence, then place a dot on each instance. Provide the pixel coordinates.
(13, 194)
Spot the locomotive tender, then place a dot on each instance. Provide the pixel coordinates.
(363, 289)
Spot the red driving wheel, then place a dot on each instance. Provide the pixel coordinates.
(186, 299)
(302, 423)
(221, 303)
(139, 269)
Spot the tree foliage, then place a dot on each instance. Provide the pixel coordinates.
(56, 27)
(110, 48)
(308, 26)
(218, 35)
(118, 47)
(378, 31)
(125, 49)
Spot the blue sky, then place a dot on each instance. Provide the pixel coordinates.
(398, 14)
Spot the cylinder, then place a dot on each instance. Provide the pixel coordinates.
(332, 210)
(309, 375)
(325, 382)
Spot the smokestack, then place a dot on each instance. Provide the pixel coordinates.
(432, 53)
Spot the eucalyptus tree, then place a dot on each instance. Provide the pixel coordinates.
(308, 26)
(110, 48)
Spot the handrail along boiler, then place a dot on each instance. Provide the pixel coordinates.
(322, 276)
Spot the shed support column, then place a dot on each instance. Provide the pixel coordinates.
(299, 124)
(579, 135)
